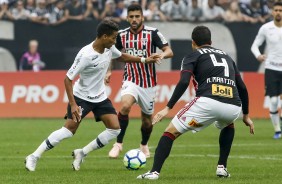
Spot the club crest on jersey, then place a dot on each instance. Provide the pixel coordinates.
(220, 90)
(194, 123)
(144, 41)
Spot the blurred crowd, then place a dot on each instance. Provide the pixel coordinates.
(54, 12)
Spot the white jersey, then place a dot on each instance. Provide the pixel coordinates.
(92, 68)
(273, 37)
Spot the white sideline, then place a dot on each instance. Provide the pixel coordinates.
(251, 157)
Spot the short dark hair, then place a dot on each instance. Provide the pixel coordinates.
(277, 4)
(106, 26)
(201, 35)
(134, 7)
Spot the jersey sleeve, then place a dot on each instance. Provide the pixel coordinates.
(115, 52)
(189, 61)
(260, 38)
(158, 39)
(242, 90)
(119, 43)
(78, 65)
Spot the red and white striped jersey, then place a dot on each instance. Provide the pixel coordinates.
(142, 44)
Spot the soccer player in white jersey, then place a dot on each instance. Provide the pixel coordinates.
(271, 32)
(89, 94)
(140, 80)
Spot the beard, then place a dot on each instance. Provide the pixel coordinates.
(278, 18)
(137, 26)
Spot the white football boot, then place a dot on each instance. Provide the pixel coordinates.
(78, 157)
(222, 172)
(149, 175)
(30, 162)
(115, 151)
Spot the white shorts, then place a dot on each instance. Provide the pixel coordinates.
(202, 111)
(145, 97)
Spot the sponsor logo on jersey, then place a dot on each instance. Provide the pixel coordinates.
(137, 52)
(94, 57)
(194, 123)
(95, 97)
(220, 90)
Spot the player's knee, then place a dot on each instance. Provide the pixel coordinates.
(231, 125)
(273, 104)
(113, 132)
(125, 109)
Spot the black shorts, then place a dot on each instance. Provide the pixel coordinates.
(98, 109)
(273, 82)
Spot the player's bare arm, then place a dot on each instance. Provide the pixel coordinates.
(243, 94)
(167, 52)
(248, 122)
(74, 108)
(177, 93)
(133, 59)
(107, 78)
(160, 115)
(261, 58)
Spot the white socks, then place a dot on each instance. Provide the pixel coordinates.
(102, 139)
(274, 116)
(53, 139)
(57, 136)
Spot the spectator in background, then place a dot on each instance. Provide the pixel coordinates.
(153, 13)
(75, 11)
(30, 5)
(212, 12)
(92, 10)
(253, 9)
(19, 12)
(40, 14)
(31, 59)
(109, 11)
(5, 14)
(121, 10)
(225, 3)
(174, 10)
(194, 12)
(233, 14)
(58, 14)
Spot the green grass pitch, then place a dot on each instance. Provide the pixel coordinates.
(254, 159)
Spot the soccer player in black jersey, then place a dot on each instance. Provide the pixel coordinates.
(220, 93)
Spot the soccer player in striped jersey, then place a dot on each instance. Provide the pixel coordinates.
(139, 79)
(271, 33)
(89, 94)
(220, 93)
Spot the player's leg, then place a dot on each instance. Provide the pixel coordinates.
(104, 112)
(146, 130)
(52, 140)
(57, 136)
(274, 116)
(128, 98)
(225, 122)
(225, 142)
(146, 102)
(272, 90)
(162, 152)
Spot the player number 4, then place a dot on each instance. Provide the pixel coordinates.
(223, 63)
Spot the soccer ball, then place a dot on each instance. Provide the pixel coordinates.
(134, 159)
